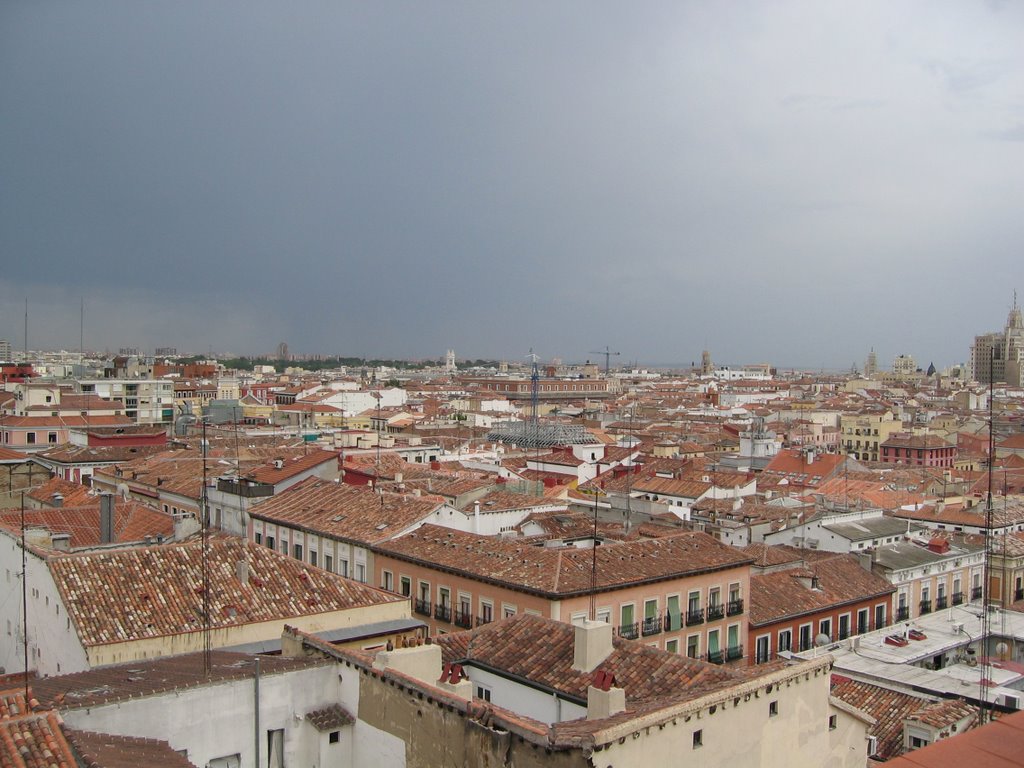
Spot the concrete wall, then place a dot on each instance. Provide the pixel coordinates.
(216, 720)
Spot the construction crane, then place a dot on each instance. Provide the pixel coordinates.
(607, 352)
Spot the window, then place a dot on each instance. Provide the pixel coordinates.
(405, 585)
(825, 628)
(388, 581)
(483, 692)
(486, 612)
(773, 708)
(833, 722)
(333, 737)
(785, 640)
(693, 646)
(258, 537)
(672, 646)
(763, 651)
(312, 557)
(30, 438)
(508, 610)
(698, 739)
(52, 438)
(361, 572)
(805, 637)
(343, 564)
(329, 563)
(673, 619)
(298, 551)
(227, 761)
(275, 748)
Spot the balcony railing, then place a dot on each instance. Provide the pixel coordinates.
(862, 627)
(734, 607)
(926, 607)
(421, 606)
(958, 598)
(733, 653)
(716, 657)
(630, 631)
(806, 643)
(463, 619)
(903, 613)
(481, 620)
(976, 593)
(443, 612)
(673, 621)
(695, 617)
(651, 626)
(716, 611)
(940, 603)
(844, 632)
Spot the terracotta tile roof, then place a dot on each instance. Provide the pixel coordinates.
(665, 486)
(561, 571)
(841, 579)
(502, 501)
(74, 494)
(541, 650)
(123, 595)
(998, 744)
(350, 512)
(330, 718)
(7, 455)
(103, 750)
(109, 454)
(119, 682)
(35, 741)
(132, 522)
(291, 466)
(943, 713)
(65, 421)
(766, 555)
(889, 708)
(928, 441)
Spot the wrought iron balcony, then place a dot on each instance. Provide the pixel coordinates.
(926, 607)
(958, 598)
(630, 631)
(733, 653)
(673, 621)
(463, 619)
(443, 612)
(716, 611)
(651, 626)
(903, 613)
(481, 620)
(421, 606)
(734, 607)
(940, 603)
(716, 657)
(976, 593)
(695, 617)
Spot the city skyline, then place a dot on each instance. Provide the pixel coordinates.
(793, 182)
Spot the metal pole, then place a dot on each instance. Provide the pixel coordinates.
(256, 715)
(24, 595)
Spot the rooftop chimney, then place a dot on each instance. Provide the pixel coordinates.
(57, 500)
(106, 518)
(604, 699)
(593, 644)
(242, 571)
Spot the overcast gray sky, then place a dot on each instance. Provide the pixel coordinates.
(793, 182)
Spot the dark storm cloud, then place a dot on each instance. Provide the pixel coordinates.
(783, 181)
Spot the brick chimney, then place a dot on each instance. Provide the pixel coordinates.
(106, 518)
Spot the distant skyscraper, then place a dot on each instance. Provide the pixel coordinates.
(1002, 354)
(449, 361)
(871, 365)
(5, 350)
(904, 365)
(282, 351)
(706, 366)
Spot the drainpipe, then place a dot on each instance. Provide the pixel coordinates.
(256, 711)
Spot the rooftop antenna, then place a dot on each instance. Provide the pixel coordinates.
(986, 592)
(593, 564)
(535, 409)
(205, 560)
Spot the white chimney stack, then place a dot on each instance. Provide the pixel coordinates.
(593, 644)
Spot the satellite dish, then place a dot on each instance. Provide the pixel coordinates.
(822, 640)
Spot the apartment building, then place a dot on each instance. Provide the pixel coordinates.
(862, 434)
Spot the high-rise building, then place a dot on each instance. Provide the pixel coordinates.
(449, 361)
(871, 364)
(5, 350)
(1001, 355)
(904, 365)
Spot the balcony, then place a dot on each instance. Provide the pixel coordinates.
(481, 620)
(630, 631)
(716, 657)
(673, 621)
(716, 612)
(443, 612)
(862, 627)
(941, 602)
(736, 652)
(651, 626)
(958, 598)
(976, 593)
(926, 607)
(695, 616)
(902, 613)
(421, 606)
(734, 607)
(463, 619)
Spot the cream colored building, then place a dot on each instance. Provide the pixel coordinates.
(863, 433)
